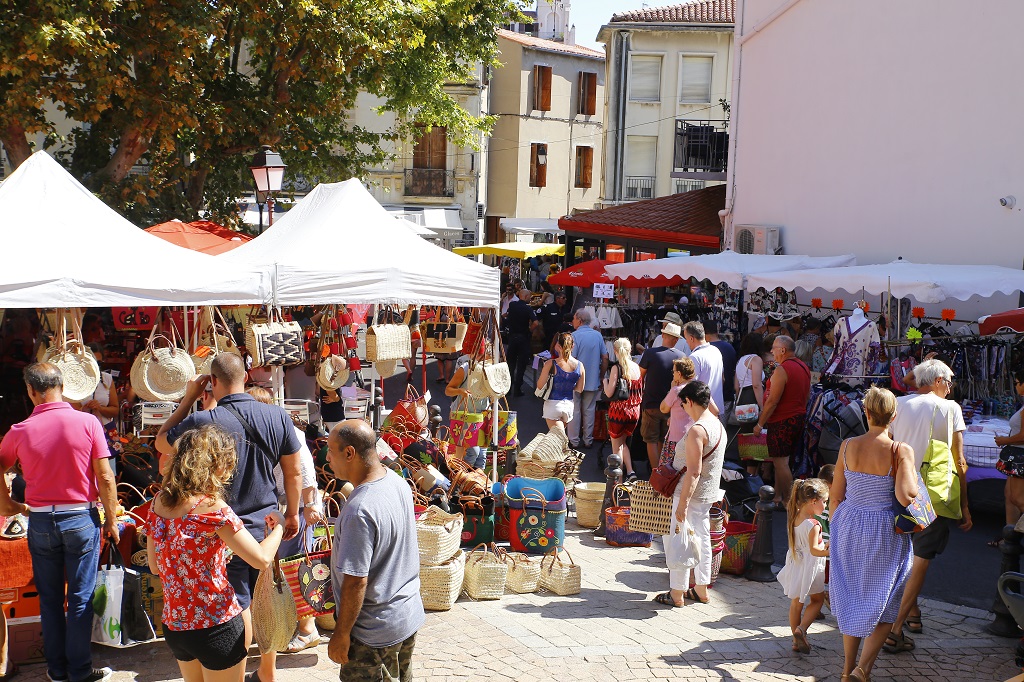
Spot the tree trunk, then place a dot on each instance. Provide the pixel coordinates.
(15, 141)
(197, 186)
(134, 143)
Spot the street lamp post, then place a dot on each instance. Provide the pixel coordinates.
(268, 173)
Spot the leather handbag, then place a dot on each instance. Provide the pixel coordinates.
(665, 478)
(275, 343)
(410, 411)
(919, 514)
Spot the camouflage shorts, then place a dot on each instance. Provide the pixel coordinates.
(387, 664)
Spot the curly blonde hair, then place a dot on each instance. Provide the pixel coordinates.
(203, 466)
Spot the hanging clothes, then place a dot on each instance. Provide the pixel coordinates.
(853, 350)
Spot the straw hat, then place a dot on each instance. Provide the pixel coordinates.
(78, 368)
(672, 329)
(332, 373)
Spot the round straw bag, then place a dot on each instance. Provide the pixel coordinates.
(523, 572)
(332, 373)
(77, 365)
(386, 368)
(485, 574)
(439, 534)
(160, 374)
(589, 499)
(441, 585)
(273, 610)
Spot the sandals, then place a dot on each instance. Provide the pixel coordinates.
(665, 599)
(302, 642)
(692, 595)
(860, 676)
(800, 641)
(897, 643)
(914, 624)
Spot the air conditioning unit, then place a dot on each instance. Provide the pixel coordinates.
(760, 239)
(480, 211)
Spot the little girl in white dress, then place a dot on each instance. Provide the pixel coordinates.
(803, 576)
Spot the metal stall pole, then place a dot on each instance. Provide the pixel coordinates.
(494, 406)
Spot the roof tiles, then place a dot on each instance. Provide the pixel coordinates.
(699, 12)
(550, 45)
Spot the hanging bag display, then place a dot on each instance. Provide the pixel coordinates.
(465, 427)
(275, 343)
(472, 343)
(444, 337)
(388, 341)
(309, 577)
(160, 374)
(919, 514)
(410, 411)
(508, 425)
(78, 366)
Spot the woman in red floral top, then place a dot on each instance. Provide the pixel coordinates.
(190, 530)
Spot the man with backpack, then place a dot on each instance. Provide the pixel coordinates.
(933, 426)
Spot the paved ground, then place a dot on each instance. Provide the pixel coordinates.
(613, 632)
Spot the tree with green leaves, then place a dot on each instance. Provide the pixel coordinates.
(193, 88)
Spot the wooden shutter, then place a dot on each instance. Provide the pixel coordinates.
(431, 150)
(584, 167)
(695, 80)
(538, 170)
(587, 93)
(645, 78)
(542, 88)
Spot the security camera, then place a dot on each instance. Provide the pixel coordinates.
(1008, 202)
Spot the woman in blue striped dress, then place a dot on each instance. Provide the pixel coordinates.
(870, 563)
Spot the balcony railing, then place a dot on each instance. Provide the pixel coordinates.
(429, 182)
(701, 147)
(638, 187)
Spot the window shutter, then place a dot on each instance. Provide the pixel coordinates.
(641, 155)
(645, 79)
(538, 170)
(542, 88)
(587, 98)
(695, 77)
(584, 167)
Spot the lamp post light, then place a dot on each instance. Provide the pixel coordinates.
(268, 173)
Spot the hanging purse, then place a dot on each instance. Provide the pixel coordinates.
(444, 337)
(388, 341)
(508, 425)
(275, 343)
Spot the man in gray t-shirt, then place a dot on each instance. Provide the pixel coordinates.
(375, 567)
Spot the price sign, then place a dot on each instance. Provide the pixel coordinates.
(604, 291)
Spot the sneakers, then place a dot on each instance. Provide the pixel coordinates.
(631, 477)
(55, 679)
(98, 675)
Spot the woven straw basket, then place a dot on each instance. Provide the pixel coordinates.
(160, 374)
(273, 610)
(523, 572)
(589, 499)
(441, 585)
(78, 369)
(386, 368)
(439, 534)
(485, 574)
(650, 511)
(326, 622)
(558, 576)
(388, 342)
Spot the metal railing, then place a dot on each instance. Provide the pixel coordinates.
(429, 182)
(701, 146)
(638, 187)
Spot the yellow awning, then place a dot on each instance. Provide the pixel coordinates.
(512, 249)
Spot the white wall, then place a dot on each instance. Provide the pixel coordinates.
(884, 129)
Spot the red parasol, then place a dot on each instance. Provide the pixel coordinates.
(201, 235)
(1011, 320)
(583, 274)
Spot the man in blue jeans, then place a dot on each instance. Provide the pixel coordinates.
(64, 460)
(589, 348)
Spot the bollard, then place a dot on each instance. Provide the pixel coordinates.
(1004, 624)
(378, 406)
(759, 568)
(435, 419)
(612, 472)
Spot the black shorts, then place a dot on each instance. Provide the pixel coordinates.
(217, 648)
(931, 542)
(242, 577)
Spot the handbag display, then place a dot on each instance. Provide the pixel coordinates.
(472, 343)
(746, 410)
(388, 341)
(466, 428)
(486, 573)
(161, 374)
(444, 337)
(508, 426)
(478, 521)
(309, 577)
(410, 412)
(78, 366)
(275, 343)
(537, 514)
(919, 514)
(617, 531)
(558, 576)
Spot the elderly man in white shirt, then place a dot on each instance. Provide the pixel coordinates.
(707, 362)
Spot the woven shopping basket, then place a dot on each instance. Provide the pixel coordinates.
(589, 499)
(273, 610)
(753, 447)
(716, 562)
(438, 534)
(558, 576)
(616, 526)
(485, 574)
(739, 542)
(523, 572)
(441, 585)
(650, 511)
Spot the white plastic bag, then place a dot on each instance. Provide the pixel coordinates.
(681, 548)
(106, 602)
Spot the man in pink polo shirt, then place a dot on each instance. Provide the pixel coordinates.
(63, 455)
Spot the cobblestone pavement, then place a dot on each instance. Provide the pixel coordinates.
(614, 632)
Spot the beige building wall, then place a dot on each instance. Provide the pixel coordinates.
(562, 129)
(651, 120)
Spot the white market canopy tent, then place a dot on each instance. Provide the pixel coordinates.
(923, 282)
(66, 248)
(729, 267)
(338, 245)
(532, 226)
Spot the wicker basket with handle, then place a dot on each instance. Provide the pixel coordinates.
(558, 576)
(485, 574)
(439, 534)
(441, 585)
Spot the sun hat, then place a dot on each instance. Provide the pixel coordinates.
(672, 329)
(673, 318)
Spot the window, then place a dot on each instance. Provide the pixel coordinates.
(542, 88)
(695, 80)
(584, 166)
(431, 150)
(588, 93)
(688, 185)
(538, 164)
(645, 78)
(641, 161)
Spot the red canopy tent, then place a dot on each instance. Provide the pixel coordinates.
(1010, 320)
(201, 235)
(585, 274)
